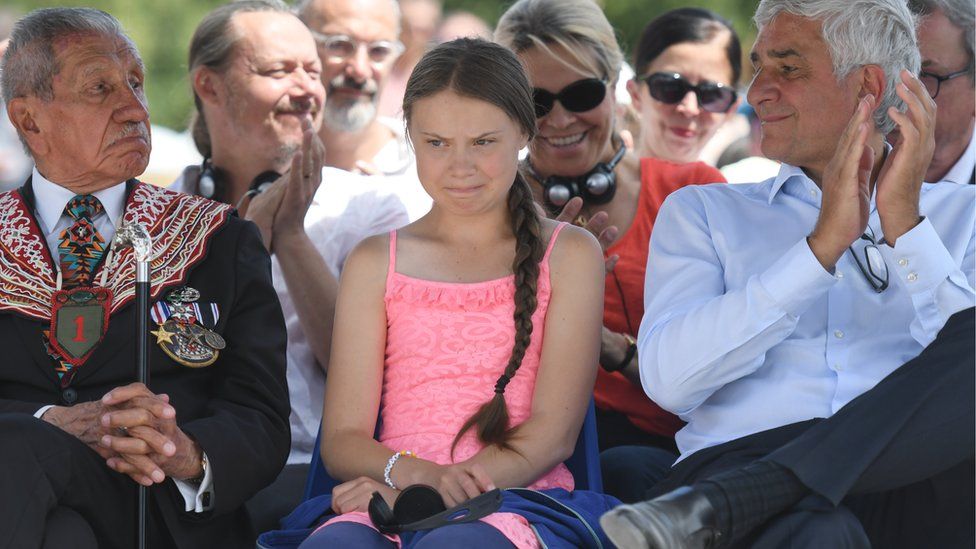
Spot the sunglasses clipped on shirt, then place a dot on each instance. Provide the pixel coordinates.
(672, 87)
(580, 96)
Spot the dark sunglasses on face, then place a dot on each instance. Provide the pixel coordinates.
(671, 88)
(580, 96)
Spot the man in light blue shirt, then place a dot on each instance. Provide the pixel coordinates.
(833, 290)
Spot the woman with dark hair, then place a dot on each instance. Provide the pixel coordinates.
(687, 65)
(572, 59)
(478, 325)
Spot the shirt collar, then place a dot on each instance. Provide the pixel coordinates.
(962, 170)
(787, 171)
(51, 198)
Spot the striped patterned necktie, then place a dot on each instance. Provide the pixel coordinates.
(81, 246)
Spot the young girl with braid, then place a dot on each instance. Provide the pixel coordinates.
(472, 334)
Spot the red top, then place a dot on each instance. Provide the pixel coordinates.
(613, 391)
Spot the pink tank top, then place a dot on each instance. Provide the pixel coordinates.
(446, 345)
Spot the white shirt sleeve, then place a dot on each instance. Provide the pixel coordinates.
(40, 413)
(198, 499)
(920, 263)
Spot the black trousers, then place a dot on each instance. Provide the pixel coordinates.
(57, 492)
(894, 467)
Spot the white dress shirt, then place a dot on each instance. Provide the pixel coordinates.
(50, 200)
(346, 208)
(745, 331)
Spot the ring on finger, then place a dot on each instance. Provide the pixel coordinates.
(123, 431)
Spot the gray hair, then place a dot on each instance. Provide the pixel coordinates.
(304, 9)
(579, 26)
(857, 33)
(29, 65)
(961, 13)
(212, 46)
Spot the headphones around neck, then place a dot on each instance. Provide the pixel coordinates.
(212, 182)
(595, 187)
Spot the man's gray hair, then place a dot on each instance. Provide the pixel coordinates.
(961, 13)
(858, 33)
(212, 46)
(29, 65)
(304, 9)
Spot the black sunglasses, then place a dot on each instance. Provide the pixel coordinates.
(671, 88)
(580, 96)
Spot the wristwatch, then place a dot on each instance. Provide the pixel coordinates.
(628, 356)
(204, 465)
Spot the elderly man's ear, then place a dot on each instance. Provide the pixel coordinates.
(873, 82)
(21, 113)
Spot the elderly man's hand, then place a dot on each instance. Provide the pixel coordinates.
(145, 439)
(900, 180)
(598, 224)
(846, 189)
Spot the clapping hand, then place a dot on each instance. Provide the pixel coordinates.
(900, 180)
(598, 224)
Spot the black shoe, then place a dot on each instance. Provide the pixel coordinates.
(680, 519)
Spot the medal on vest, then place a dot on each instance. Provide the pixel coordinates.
(79, 320)
(181, 335)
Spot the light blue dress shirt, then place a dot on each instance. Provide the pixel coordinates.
(745, 331)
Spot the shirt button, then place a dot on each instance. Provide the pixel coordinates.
(903, 262)
(912, 277)
(840, 274)
(838, 367)
(838, 334)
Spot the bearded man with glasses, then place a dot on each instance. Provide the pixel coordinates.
(816, 330)
(945, 39)
(358, 44)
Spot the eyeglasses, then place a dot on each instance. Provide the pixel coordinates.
(873, 267)
(933, 82)
(339, 47)
(671, 88)
(580, 96)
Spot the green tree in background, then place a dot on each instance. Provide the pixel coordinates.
(162, 30)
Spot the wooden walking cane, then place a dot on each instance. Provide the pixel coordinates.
(135, 236)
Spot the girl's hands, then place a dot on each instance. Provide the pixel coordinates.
(456, 483)
(355, 495)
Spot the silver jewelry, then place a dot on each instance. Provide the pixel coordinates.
(390, 464)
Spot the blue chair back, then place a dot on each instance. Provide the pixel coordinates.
(584, 463)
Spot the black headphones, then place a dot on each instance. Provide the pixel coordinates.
(211, 183)
(420, 507)
(596, 186)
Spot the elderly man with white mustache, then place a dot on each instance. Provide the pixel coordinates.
(211, 429)
(358, 44)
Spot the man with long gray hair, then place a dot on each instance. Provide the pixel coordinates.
(816, 330)
(945, 39)
(211, 427)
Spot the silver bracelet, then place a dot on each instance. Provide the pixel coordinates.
(389, 467)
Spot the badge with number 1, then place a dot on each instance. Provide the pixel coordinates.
(79, 320)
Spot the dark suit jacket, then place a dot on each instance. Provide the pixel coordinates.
(236, 409)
